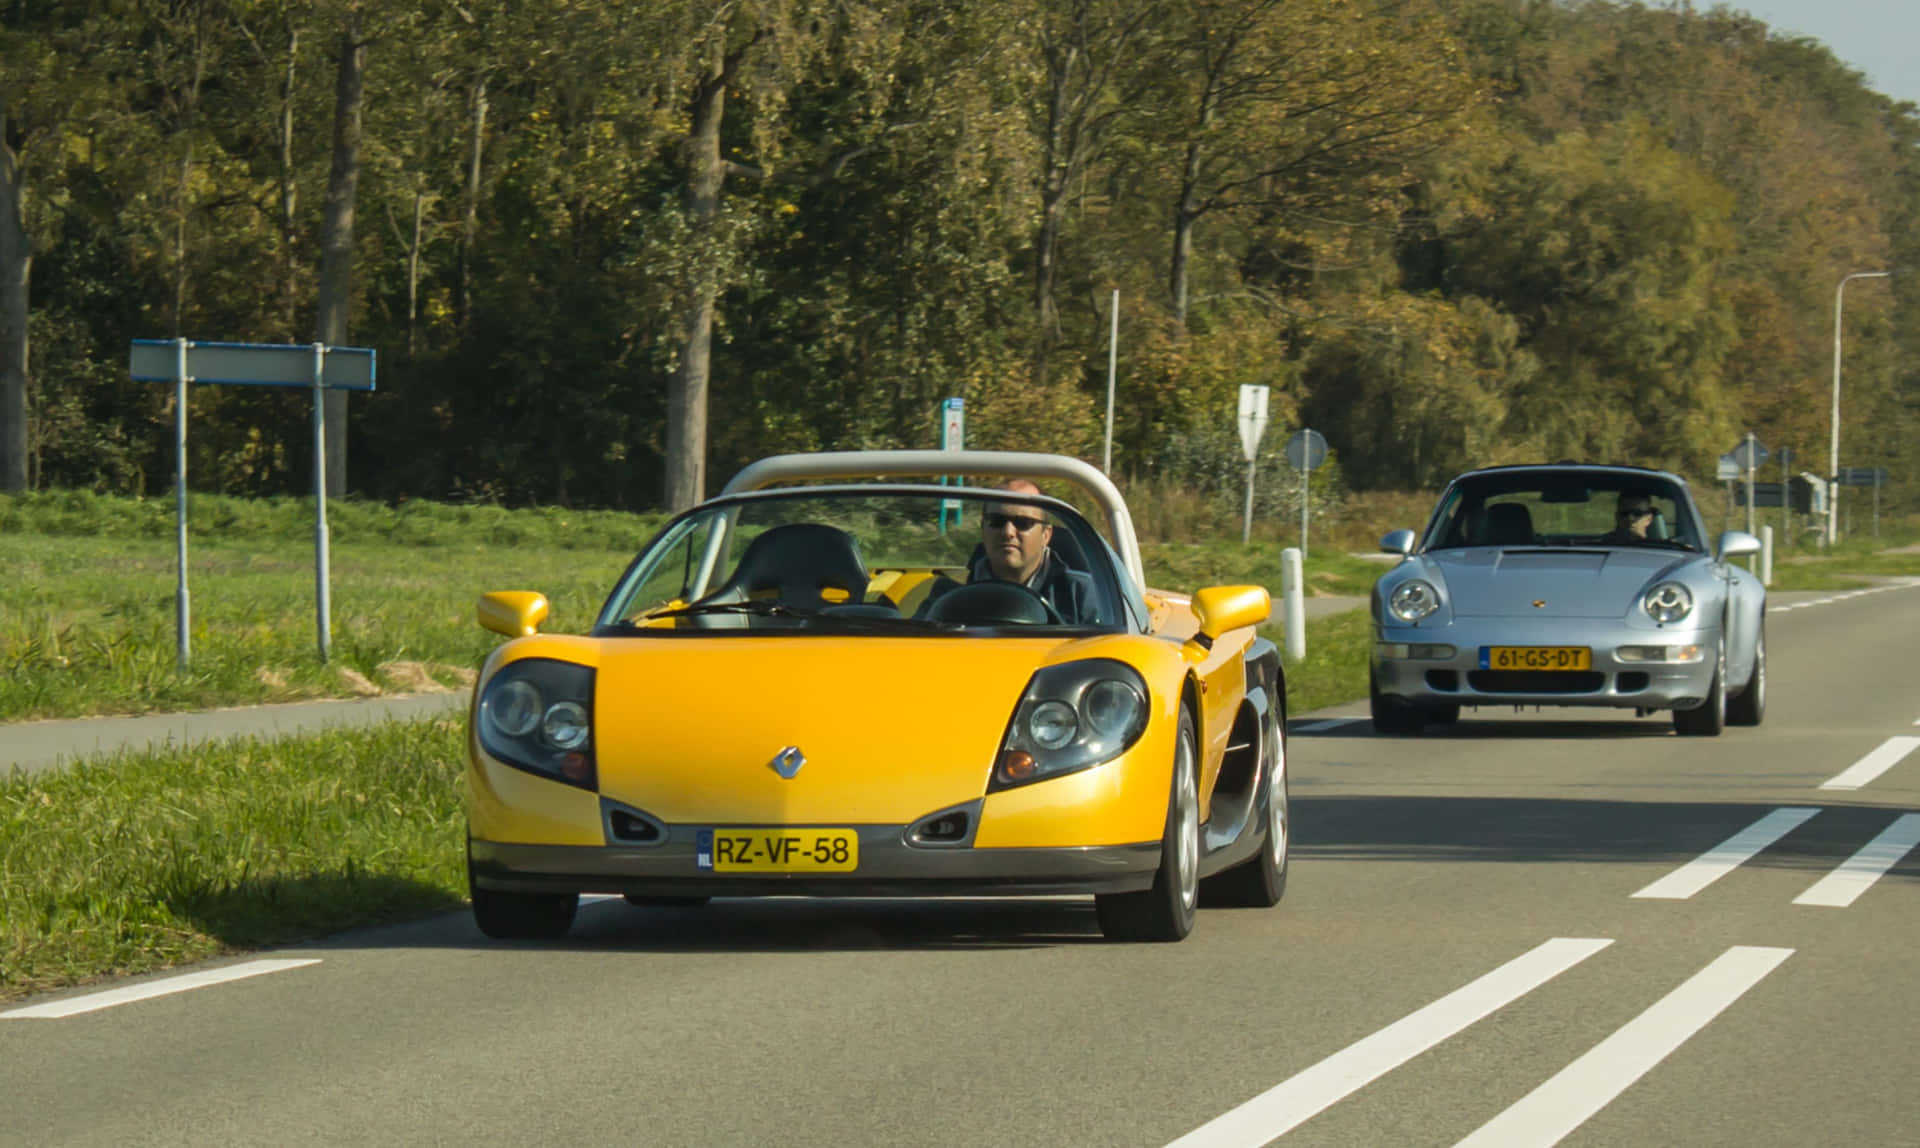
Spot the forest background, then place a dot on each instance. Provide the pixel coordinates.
(607, 250)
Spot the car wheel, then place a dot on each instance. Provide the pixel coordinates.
(1260, 881)
(1391, 714)
(646, 902)
(521, 916)
(1166, 911)
(1710, 716)
(1749, 706)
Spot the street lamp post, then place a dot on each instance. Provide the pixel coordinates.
(1833, 442)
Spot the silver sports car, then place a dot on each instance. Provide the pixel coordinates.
(1568, 585)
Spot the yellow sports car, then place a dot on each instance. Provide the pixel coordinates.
(831, 681)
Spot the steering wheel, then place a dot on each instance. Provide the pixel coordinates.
(994, 603)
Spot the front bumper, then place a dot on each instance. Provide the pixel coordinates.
(1611, 680)
(888, 867)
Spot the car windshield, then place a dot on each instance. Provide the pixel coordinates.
(870, 561)
(1564, 508)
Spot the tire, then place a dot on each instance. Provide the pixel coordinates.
(1710, 717)
(1391, 714)
(1261, 880)
(521, 916)
(1166, 911)
(646, 902)
(1749, 706)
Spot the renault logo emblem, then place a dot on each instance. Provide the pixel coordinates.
(788, 761)
(1539, 603)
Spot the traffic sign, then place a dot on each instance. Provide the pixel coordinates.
(1749, 453)
(1306, 449)
(1253, 418)
(1729, 469)
(263, 364)
(1863, 476)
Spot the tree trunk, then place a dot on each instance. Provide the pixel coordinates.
(289, 193)
(470, 217)
(16, 265)
(336, 239)
(189, 115)
(687, 390)
(1185, 216)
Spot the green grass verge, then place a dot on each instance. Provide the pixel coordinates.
(147, 860)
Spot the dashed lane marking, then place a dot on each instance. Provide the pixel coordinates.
(1874, 764)
(1857, 873)
(1335, 723)
(1547, 1114)
(93, 1002)
(1723, 858)
(1287, 1104)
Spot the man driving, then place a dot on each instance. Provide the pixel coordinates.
(1632, 516)
(1015, 546)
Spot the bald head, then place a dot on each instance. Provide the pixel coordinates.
(1015, 535)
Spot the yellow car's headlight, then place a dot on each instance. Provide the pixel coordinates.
(1073, 717)
(536, 714)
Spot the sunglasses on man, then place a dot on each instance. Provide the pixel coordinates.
(1021, 523)
(1634, 511)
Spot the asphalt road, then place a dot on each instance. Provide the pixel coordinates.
(1527, 929)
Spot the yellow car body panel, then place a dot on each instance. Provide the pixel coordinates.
(686, 729)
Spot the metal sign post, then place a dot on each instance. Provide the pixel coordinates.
(1113, 364)
(318, 366)
(1253, 424)
(1306, 449)
(1749, 454)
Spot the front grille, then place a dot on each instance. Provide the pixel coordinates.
(1632, 681)
(1535, 682)
(1448, 680)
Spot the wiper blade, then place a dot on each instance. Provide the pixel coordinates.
(761, 607)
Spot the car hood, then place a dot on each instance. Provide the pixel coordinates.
(1495, 582)
(890, 728)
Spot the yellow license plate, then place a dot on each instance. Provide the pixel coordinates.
(1535, 658)
(778, 850)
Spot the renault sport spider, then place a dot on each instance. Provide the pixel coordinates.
(816, 684)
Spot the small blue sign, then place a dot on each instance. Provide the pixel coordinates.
(703, 849)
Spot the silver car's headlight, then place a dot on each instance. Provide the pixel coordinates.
(1668, 602)
(1413, 600)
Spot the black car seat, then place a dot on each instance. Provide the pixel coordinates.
(799, 562)
(1508, 524)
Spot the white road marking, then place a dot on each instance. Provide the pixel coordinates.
(1874, 764)
(1723, 858)
(1576, 1092)
(93, 1002)
(1287, 1104)
(1336, 723)
(1857, 873)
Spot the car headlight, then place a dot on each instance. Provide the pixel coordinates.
(536, 714)
(1072, 717)
(1413, 600)
(1668, 602)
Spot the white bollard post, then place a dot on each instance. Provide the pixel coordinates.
(1293, 609)
(1766, 555)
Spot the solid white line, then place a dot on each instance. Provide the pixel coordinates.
(1723, 858)
(1336, 723)
(1857, 873)
(1287, 1104)
(93, 1002)
(1873, 765)
(1576, 1092)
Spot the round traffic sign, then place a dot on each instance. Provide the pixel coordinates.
(1306, 449)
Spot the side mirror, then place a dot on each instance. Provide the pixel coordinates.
(1397, 542)
(1734, 543)
(515, 613)
(1222, 608)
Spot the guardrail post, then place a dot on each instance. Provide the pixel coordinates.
(1766, 555)
(1294, 609)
